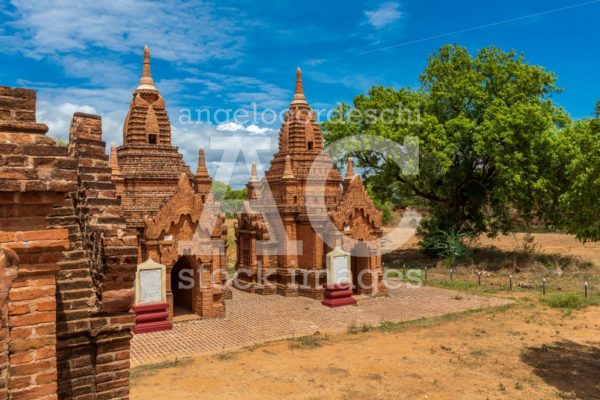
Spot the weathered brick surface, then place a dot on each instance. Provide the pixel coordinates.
(68, 306)
(304, 191)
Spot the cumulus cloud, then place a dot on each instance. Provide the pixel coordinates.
(228, 158)
(177, 30)
(238, 128)
(385, 15)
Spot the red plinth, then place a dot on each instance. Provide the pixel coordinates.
(338, 295)
(152, 318)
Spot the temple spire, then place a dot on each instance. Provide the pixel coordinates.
(201, 170)
(350, 169)
(299, 92)
(114, 162)
(202, 181)
(254, 173)
(146, 81)
(288, 173)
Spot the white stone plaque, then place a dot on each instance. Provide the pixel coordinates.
(150, 286)
(338, 267)
(150, 283)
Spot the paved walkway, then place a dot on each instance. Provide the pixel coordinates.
(254, 319)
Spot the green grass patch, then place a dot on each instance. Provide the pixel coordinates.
(571, 301)
(354, 329)
(307, 342)
(388, 326)
(150, 369)
(455, 285)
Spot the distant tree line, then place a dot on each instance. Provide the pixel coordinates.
(231, 199)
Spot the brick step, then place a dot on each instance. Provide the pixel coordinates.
(74, 315)
(74, 284)
(75, 294)
(77, 304)
(74, 265)
(72, 255)
(81, 273)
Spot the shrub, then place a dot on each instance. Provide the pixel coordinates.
(566, 300)
(444, 244)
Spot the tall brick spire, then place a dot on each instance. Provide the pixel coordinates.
(146, 81)
(201, 170)
(299, 92)
(147, 122)
(253, 184)
(350, 169)
(254, 173)
(202, 180)
(114, 162)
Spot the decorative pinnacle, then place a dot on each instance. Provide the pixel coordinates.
(254, 174)
(113, 161)
(146, 82)
(288, 173)
(299, 92)
(201, 171)
(350, 169)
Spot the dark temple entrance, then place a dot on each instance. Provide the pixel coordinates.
(360, 267)
(182, 287)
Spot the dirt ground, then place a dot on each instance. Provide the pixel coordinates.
(524, 352)
(527, 351)
(548, 243)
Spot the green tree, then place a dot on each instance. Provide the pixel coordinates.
(485, 125)
(577, 179)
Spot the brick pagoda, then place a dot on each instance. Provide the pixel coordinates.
(302, 180)
(168, 206)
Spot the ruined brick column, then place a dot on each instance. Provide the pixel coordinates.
(66, 322)
(35, 176)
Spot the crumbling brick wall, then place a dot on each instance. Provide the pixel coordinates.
(8, 273)
(94, 320)
(66, 324)
(35, 176)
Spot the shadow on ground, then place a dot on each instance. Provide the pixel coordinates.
(570, 367)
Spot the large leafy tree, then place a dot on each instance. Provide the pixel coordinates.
(577, 179)
(486, 125)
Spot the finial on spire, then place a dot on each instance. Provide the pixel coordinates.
(299, 92)
(350, 169)
(288, 173)
(146, 82)
(201, 170)
(254, 173)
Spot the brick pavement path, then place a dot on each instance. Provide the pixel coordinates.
(254, 319)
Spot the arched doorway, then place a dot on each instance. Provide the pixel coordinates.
(183, 286)
(360, 268)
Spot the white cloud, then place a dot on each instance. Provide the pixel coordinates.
(239, 128)
(386, 14)
(177, 31)
(313, 62)
(234, 171)
(55, 107)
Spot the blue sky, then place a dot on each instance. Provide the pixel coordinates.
(86, 55)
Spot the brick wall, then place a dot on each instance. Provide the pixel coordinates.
(65, 325)
(17, 104)
(94, 320)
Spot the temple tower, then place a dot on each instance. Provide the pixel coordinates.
(165, 203)
(293, 186)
